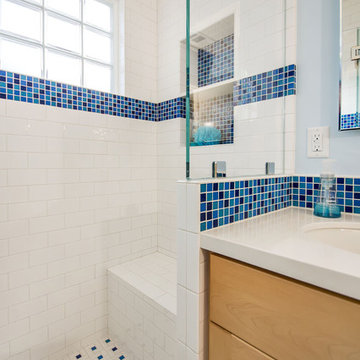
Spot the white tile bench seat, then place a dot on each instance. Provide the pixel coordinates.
(142, 306)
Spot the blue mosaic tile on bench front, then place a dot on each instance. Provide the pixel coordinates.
(305, 190)
(30, 89)
(349, 121)
(225, 202)
(268, 85)
(216, 61)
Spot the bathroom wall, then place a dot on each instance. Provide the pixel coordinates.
(138, 58)
(261, 40)
(258, 127)
(77, 195)
(170, 168)
(317, 91)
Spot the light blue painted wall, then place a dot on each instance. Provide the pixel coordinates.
(317, 87)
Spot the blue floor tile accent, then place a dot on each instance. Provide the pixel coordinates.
(103, 349)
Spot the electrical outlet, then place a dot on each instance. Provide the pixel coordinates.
(318, 142)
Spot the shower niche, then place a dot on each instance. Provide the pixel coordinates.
(212, 68)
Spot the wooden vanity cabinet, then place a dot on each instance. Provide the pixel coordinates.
(224, 345)
(256, 314)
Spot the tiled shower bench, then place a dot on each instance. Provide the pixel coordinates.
(142, 307)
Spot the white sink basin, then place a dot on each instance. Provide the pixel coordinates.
(345, 236)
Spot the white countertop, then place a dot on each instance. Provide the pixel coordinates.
(276, 242)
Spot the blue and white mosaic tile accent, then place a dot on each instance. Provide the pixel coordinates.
(225, 202)
(104, 349)
(45, 92)
(350, 121)
(268, 85)
(30, 89)
(217, 112)
(172, 109)
(33, 90)
(305, 191)
(216, 61)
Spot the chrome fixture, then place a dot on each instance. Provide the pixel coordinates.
(270, 168)
(355, 53)
(218, 169)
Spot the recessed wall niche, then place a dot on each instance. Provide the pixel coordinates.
(211, 83)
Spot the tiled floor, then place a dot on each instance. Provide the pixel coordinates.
(104, 349)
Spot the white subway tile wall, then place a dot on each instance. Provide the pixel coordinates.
(171, 167)
(140, 58)
(77, 196)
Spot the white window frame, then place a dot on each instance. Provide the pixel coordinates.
(43, 46)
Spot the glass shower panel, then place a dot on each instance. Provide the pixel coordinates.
(236, 53)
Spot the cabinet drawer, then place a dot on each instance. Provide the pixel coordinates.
(283, 318)
(225, 346)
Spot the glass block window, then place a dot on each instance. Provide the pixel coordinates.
(69, 41)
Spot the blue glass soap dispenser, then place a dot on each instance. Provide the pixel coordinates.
(326, 202)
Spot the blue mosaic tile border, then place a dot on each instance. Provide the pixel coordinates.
(45, 92)
(350, 121)
(223, 203)
(268, 85)
(305, 190)
(33, 90)
(216, 61)
(30, 89)
(172, 109)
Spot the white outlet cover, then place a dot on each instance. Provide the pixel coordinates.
(318, 142)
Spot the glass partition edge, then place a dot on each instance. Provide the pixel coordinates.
(187, 89)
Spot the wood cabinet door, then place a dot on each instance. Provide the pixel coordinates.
(283, 318)
(225, 346)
